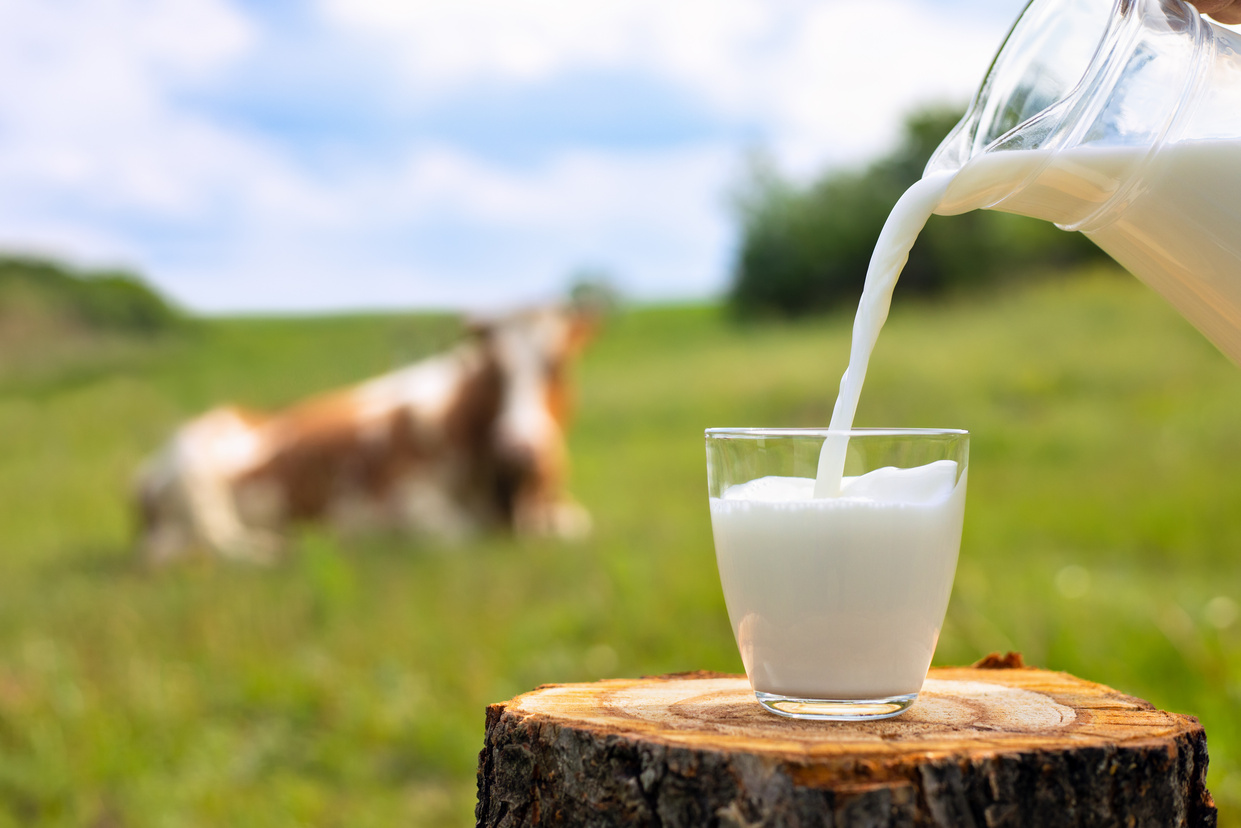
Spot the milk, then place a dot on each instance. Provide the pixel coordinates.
(1178, 230)
(840, 597)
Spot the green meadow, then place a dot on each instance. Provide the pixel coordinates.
(347, 685)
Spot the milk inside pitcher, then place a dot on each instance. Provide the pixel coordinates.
(1123, 121)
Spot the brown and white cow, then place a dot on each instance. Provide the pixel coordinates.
(465, 441)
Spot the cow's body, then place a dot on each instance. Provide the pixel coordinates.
(465, 441)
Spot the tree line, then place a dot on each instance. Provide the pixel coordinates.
(112, 300)
(805, 248)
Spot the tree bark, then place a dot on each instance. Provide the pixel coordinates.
(981, 748)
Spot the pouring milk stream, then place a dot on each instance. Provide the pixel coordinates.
(900, 231)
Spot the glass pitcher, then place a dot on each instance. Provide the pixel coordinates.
(1123, 121)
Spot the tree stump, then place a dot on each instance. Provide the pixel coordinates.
(981, 747)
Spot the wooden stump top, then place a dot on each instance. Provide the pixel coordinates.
(960, 711)
(985, 747)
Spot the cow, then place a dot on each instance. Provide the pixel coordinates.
(466, 441)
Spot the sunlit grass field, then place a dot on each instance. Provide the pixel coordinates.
(347, 685)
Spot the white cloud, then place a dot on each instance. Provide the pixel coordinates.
(447, 43)
(94, 63)
(827, 80)
(577, 188)
(840, 88)
(108, 154)
(89, 108)
(97, 128)
(654, 218)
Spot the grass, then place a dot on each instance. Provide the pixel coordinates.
(347, 685)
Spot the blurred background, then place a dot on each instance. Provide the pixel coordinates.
(205, 201)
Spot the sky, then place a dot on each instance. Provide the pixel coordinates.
(474, 154)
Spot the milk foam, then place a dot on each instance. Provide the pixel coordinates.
(920, 485)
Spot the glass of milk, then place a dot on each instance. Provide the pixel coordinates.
(837, 602)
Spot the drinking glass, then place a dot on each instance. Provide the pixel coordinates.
(837, 603)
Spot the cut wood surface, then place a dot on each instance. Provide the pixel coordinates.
(981, 747)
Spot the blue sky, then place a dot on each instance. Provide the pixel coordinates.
(336, 154)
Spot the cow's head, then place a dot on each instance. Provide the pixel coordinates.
(532, 352)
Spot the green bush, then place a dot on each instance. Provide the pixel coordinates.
(105, 301)
(806, 249)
